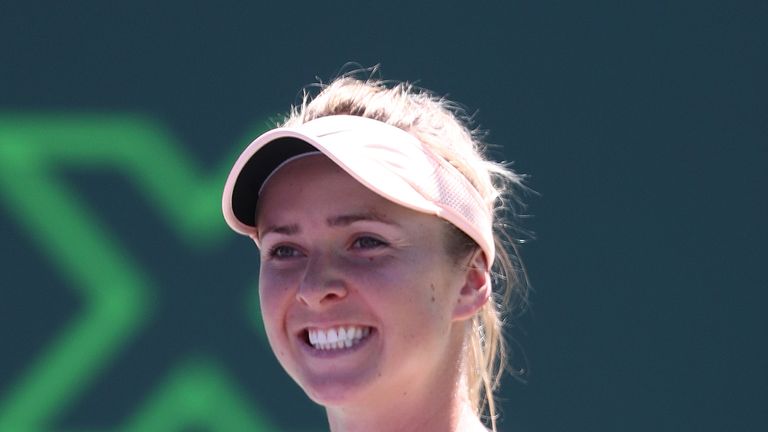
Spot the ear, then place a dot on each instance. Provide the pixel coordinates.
(476, 290)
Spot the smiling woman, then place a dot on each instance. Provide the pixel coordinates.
(383, 279)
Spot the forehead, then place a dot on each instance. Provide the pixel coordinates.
(315, 190)
(316, 186)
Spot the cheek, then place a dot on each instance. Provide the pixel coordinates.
(272, 300)
(410, 295)
(273, 296)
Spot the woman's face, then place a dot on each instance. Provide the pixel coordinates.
(358, 294)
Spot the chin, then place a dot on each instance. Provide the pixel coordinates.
(335, 392)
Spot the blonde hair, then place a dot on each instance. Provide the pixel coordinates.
(444, 129)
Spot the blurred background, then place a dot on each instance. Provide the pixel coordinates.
(126, 304)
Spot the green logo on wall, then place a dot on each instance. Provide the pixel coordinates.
(116, 294)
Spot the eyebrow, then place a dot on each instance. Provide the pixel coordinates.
(281, 229)
(346, 220)
(333, 221)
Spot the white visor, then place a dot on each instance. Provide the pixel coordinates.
(387, 160)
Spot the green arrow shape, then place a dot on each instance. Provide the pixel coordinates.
(199, 394)
(116, 294)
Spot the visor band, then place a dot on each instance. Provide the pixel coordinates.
(386, 159)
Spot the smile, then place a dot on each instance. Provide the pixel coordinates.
(335, 338)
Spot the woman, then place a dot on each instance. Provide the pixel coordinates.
(374, 211)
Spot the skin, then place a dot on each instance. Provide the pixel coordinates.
(335, 253)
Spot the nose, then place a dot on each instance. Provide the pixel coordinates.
(322, 283)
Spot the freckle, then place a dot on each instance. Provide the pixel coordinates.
(433, 299)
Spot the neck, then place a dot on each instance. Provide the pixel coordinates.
(405, 415)
(437, 402)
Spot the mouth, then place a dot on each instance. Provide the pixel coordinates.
(336, 338)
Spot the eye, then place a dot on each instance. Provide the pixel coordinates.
(368, 242)
(283, 251)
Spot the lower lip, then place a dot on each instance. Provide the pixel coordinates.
(337, 352)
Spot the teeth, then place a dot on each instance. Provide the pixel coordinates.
(337, 337)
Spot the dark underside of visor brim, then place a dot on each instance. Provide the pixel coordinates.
(245, 193)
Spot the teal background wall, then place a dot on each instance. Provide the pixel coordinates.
(128, 305)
